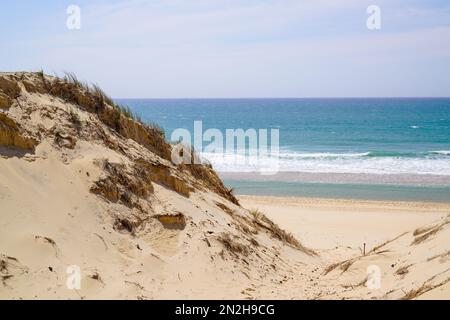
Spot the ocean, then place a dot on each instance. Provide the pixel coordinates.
(363, 148)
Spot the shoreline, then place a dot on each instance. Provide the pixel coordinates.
(414, 180)
(332, 202)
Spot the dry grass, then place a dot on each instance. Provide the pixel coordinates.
(441, 256)
(232, 245)
(92, 99)
(261, 221)
(205, 174)
(224, 208)
(346, 264)
(403, 270)
(118, 117)
(425, 233)
(378, 247)
(121, 184)
(9, 267)
(358, 285)
(424, 288)
(126, 123)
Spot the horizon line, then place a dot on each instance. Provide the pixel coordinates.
(285, 98)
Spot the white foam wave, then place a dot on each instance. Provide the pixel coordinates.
(442, 152)
(329, 163)
(322, 155)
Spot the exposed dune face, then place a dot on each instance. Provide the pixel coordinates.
(85, 187)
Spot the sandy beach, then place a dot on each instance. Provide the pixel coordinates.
(91, 207)
(328, 223)
(225, 158)
(339, 228)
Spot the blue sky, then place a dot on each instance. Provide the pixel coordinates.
(235, 48)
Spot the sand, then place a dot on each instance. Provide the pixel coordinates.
(339, 228)
(327, 223)
(77, 194)
(92, 208)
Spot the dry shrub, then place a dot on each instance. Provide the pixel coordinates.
(176, 221)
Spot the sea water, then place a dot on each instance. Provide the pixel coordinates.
(369, 148)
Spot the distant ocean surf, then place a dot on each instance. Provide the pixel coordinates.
(395, 149)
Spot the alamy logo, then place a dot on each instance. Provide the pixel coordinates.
(73, 281)
(374, 20)
(238, 148)
(373, 277)
(74, 20)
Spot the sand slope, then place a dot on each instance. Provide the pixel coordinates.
(82, 185)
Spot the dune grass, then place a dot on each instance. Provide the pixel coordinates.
(71, 81)
(262, 221)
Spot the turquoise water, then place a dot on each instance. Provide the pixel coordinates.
(343, 191)
(372, 137)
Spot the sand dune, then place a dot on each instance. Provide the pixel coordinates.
(85, 187)
(89, 193)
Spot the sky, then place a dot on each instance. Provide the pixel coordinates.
(235, 48)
